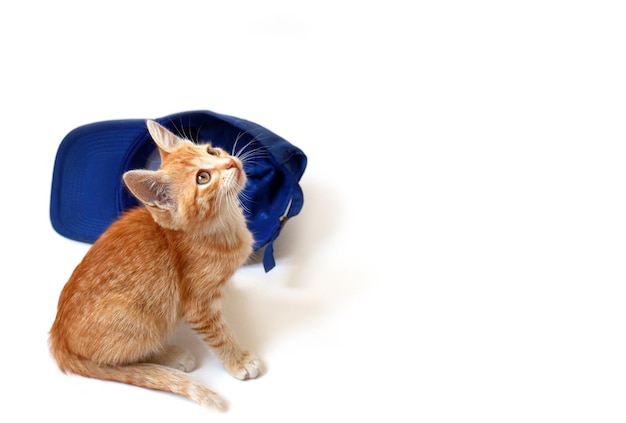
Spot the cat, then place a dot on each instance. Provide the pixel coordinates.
(156, 265)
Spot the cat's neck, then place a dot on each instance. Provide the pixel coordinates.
(210, 257)
(227, 232)
(224, 230)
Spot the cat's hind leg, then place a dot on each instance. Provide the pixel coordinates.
(174, 357)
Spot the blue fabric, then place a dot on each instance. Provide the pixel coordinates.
(88, 194)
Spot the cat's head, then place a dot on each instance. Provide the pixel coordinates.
(197, 185)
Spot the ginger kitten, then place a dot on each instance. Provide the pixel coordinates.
(154, 266)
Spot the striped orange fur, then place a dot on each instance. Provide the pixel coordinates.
(157, 265)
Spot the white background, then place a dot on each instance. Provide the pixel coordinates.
(460, 254)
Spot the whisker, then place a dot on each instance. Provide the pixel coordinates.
(231, 202)
(237, 138)
(178, 131)
(197, 140)
(247, 198)
(246, 146)
(183, 128)
(256, 153)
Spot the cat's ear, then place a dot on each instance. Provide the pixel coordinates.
(165, 139)
(152, 188)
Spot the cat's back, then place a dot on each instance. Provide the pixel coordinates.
(130, 257)
(125, 281)
(134, 240)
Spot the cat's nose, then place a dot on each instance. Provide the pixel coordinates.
(231, 163)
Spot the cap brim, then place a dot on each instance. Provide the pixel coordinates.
(87, 177)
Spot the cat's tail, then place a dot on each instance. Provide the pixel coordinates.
(146, 375)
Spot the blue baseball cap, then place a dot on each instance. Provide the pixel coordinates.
(88, 193)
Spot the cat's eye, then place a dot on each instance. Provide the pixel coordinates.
(203, 177)
(213, 151)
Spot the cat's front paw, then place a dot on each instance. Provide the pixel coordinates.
(249, 368)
